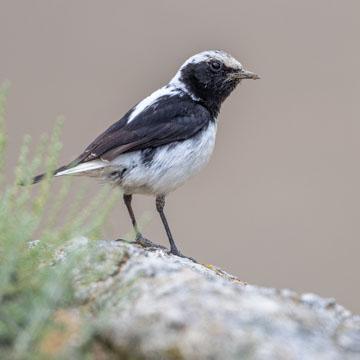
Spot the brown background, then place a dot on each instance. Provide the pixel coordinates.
(278, 205)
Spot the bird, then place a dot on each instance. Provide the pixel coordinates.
(166, 138)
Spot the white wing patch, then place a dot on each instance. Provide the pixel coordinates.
(151, 99)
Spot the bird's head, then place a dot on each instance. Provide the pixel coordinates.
(211, 75)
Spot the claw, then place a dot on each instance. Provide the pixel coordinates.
(179, 254)
(140, 240)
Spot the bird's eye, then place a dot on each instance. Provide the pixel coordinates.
(216, 66)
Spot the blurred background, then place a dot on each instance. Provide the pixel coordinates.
(279, 203)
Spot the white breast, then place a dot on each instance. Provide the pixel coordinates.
(170, 167)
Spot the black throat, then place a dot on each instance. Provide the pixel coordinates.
(208, 88)
(212, 107)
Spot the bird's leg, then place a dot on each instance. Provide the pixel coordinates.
(139, 238)
(160, 203)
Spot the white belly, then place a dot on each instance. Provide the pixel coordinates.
(170, 166)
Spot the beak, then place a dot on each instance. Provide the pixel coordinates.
(243, 74)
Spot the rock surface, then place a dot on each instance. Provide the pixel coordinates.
(151, 305)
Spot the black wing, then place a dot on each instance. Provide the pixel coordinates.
(172, 118)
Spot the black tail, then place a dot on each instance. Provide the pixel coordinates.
(37, 178)
(40, 177)
(75, 162)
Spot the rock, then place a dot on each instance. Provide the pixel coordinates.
(150, 305)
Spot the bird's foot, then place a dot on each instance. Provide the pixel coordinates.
(176, 252)
(140, 240)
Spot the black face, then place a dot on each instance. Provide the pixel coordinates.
(210, 80)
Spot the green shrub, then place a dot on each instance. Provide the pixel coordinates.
(35, 286)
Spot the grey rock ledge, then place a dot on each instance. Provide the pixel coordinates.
(151, 305)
